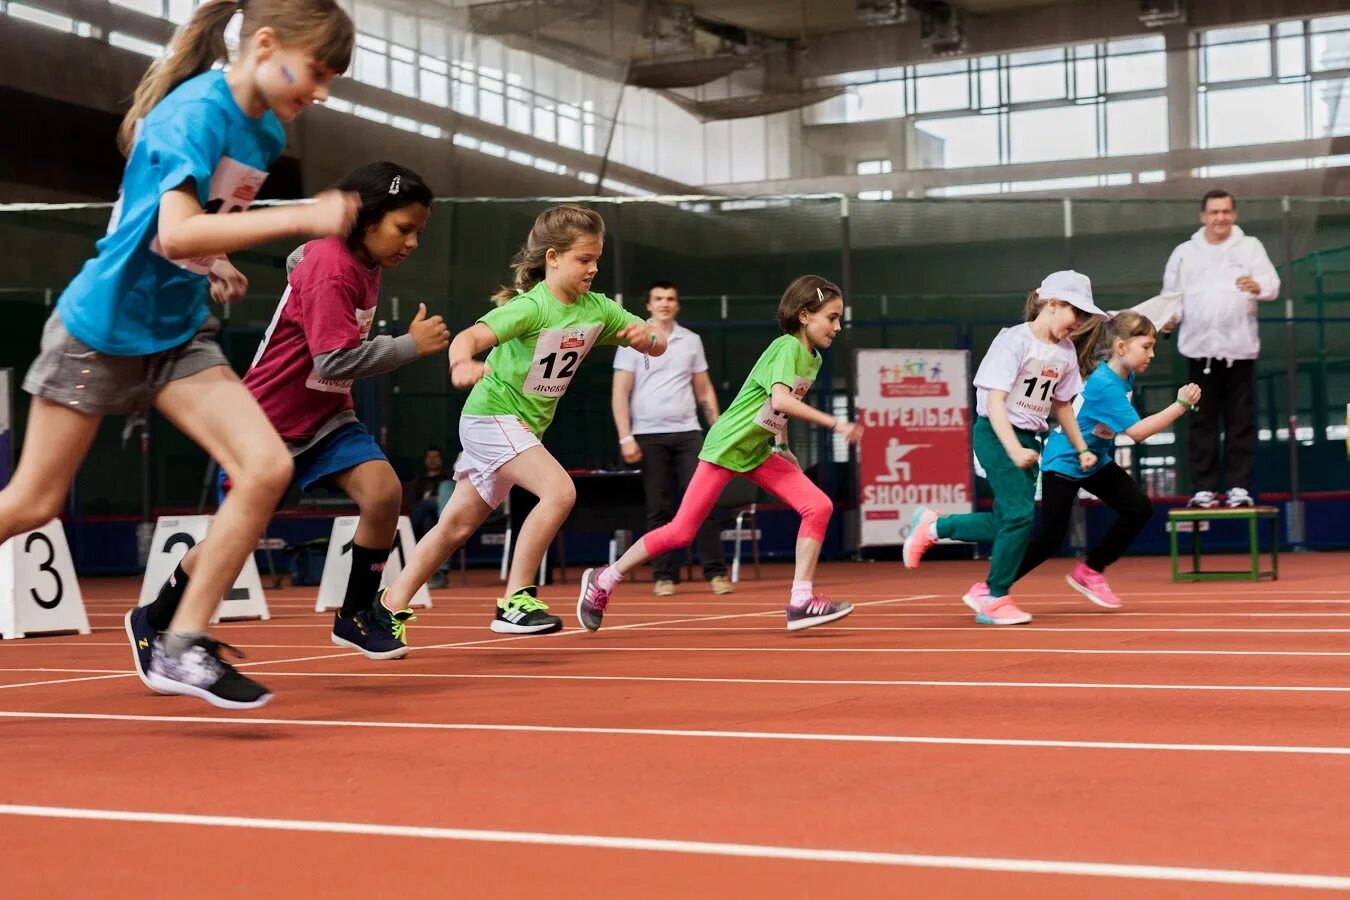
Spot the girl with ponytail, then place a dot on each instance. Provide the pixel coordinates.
(132, 329)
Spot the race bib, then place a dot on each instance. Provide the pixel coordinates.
(1100, 430)
(557, 354)
(1035, 389)
(233, 187)
(364, 319)
(777, 422)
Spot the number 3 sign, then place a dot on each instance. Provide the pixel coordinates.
(38, 590)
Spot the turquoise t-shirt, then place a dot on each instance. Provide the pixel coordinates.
(131, 300)
(540, 343)
(1106, 412)
(743, 436)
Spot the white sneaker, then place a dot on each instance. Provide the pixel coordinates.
(1204, 500)
(1239, 497)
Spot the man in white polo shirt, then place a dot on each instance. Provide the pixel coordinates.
(656, 403)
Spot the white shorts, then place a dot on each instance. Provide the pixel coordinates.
(489, 443)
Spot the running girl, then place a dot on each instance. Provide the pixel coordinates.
(750, 439)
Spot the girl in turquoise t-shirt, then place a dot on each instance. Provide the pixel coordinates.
(750, 439)
(132, 329)
(1105, 413)
(538, 335)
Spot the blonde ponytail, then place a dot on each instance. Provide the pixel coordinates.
(196, 47)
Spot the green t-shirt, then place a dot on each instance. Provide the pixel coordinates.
(743, 436)
(540, 343)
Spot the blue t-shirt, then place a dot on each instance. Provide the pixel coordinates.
(1106, 412)
(130, 300)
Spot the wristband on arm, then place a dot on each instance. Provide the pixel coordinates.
(1190, 407)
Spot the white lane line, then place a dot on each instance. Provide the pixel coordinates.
(841, 682)
(703, 848)
(794, 736)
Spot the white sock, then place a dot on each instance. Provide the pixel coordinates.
(608, 579)
(932, 530)
(801, 593)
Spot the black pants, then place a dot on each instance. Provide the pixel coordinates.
(1228, 391)
(1110, 484)
(668, 464)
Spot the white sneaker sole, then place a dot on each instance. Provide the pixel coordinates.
(507, 628)
(819, 620)
(388, 654)
(1088, 594)
(167, 686)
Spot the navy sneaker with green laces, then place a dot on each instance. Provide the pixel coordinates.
(375, 633)
(524, 613)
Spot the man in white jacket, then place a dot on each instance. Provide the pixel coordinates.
(1221, 273)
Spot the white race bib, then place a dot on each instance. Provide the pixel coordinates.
(364, 319)
(557, 354)
(1034, 391)
(777, 422)
(233, 187)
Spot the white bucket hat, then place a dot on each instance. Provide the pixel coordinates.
(1073, 288)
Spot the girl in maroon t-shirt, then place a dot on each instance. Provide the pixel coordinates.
(302, 374)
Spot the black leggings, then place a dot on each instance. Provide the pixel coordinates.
(1110, 484)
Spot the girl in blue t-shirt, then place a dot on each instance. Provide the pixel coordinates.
(1105, 413)
(132, 329)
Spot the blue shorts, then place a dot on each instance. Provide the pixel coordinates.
(344, 449)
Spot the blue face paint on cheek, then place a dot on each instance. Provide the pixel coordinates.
(287, 74)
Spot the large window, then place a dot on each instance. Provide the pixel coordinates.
(1089, 100)
(1269, 83)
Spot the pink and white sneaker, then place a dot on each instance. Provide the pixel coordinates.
(819, 610)
(1092, 585)
(993, 610)
(592, 601)
(920, 536)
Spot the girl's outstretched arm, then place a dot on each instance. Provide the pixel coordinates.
(186, 231)
(465, 371)
(1145, 428)
(788, 405)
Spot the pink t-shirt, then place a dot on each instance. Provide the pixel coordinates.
(329, 304)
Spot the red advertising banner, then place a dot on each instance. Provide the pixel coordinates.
(916, 450)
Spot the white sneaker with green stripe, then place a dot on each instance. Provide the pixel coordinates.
(524, 613)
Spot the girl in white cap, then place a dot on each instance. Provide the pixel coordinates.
(1029, 372)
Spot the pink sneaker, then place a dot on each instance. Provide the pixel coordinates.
(1092, 585)
(920, 536)
(993, 610)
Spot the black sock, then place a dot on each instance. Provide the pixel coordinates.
(364, 582)
(160, 612)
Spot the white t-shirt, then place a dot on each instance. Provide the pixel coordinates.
(663, 395)
(1033, 373)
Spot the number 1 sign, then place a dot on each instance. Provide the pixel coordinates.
(337, 565)
(38, 590)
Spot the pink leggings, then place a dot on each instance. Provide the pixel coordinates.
(776, 475)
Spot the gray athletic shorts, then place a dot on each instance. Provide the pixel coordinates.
(68, 372)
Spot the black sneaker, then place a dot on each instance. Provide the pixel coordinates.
(524, 613)
(372, 635)
(200, 672)
(142, 637)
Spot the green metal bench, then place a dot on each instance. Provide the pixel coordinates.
(1249, 514)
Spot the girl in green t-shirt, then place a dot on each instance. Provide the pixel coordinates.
(749, 439)
(541, 330)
